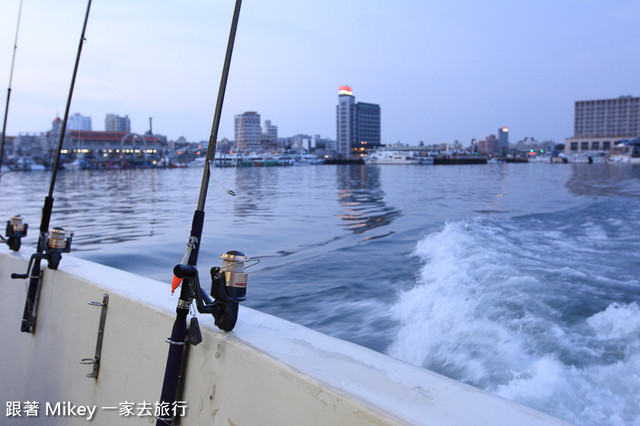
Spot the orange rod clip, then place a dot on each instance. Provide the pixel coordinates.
(175, 283)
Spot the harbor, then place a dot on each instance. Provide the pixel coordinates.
(399, 268)
(229, 263)
(128, 151)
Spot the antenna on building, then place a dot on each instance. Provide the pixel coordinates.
(150, 125)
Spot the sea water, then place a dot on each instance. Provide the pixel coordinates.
(520, 279)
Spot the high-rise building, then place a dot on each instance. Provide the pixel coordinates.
(247, 131)
(357, 124)
(79, 122)
(269, 138)
(367, 126)
(598, 124)
(503, 140)
(345, 121)
(270, 131)
(115, 123)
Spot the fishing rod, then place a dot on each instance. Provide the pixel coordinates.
(6, 109)
(228, 282)
(51, 243)
(16, 229)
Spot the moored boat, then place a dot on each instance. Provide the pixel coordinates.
(395, 157)
(175, 165)
(265, 161)
(626, 152)
(308, 160)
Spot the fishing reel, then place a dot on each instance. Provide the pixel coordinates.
(16, 229)
(228, 289)
(54, 243)
(50, 247)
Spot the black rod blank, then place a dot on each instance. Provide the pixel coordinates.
(177, 358)
(213, 138)
(6, 108)
(30, 306)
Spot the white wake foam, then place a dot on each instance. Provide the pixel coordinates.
(485, 311)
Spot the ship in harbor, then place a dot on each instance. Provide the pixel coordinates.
(420, 155)
(395, 157)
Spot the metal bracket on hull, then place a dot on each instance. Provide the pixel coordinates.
(95, 361)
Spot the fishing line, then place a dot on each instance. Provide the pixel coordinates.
(6, 109)
(229, 191)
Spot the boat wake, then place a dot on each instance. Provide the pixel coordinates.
(507, 307)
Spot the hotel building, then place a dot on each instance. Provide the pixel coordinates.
(599, 124)
(357, 125)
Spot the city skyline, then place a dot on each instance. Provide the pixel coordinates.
(440, 72)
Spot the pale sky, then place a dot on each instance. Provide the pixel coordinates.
(440, 70)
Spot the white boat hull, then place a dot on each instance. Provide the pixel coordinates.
(266, 371)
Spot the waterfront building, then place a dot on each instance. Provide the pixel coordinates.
(503, 140)
(357, 125)
(247, 131)
(270, 131)
(489, 145)
(599, 124)
(103, 149)
(531, 146)
(96, 148)
(116, 123)
(367, 127)
(89, 141)
(223, 146)
(79, 122)
(302, 141)
(31, 145)
(345, 121)
(269, 137)
(329, 145)
(474, 147)
(109, 146)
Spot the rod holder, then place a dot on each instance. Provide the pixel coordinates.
(95, 361)
(171, 342)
